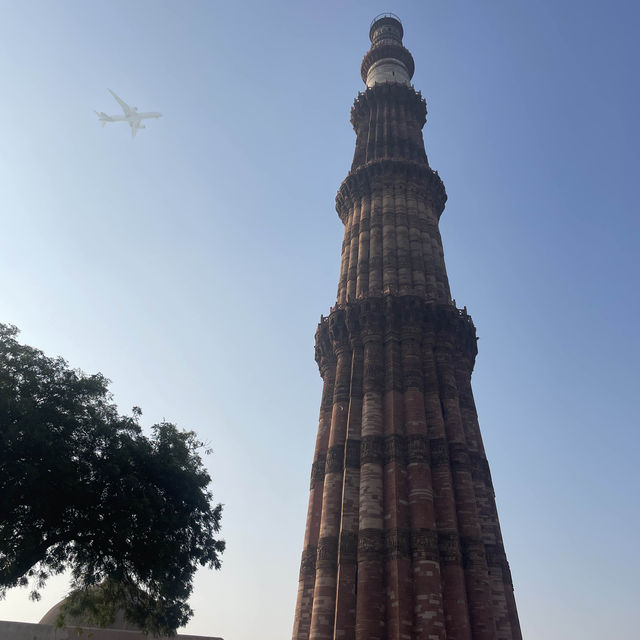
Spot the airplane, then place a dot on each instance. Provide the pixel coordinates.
(131, 116)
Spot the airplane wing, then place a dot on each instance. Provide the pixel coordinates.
(125, 107)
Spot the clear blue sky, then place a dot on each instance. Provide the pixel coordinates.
(191, 265)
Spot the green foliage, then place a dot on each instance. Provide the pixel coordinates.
(82, 488)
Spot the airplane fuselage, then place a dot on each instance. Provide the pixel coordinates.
(138, 116)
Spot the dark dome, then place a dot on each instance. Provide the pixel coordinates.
(119, 623)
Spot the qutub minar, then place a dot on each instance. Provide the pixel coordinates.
(402, 538)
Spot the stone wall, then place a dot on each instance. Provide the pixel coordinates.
(28, 631)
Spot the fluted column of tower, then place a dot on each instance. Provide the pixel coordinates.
(402, 538)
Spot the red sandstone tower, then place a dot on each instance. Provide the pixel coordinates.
(402, 538)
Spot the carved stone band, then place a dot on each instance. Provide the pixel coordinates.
(413, 448)
(335, 459)
(317, 471)
(473, 553)
(348, 547)
(424, 544)
(327, 559)
(449, 548)
(445, 547)
(308, 563)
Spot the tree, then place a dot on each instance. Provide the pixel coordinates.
(82, 488)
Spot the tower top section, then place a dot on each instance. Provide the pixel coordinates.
(387, 60)
(386, 25)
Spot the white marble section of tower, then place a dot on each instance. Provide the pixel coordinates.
(387, 30)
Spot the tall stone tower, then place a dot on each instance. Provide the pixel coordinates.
(402, 538)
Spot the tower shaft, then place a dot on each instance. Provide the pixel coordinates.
(402, 537)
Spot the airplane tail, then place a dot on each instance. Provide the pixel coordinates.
(104, 118)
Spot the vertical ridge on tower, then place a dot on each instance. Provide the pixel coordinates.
(402, 537)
